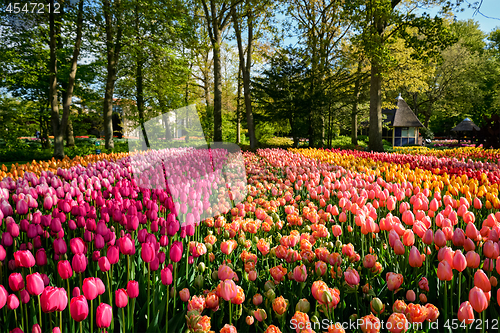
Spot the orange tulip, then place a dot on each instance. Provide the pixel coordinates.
(370, 324)
(416, 313)
(280, 305)
(432, 312)
(397, 323)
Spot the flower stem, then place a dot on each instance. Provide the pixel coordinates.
(91, 316)
(166, 314)
(149, 289)
(39, 311)
(123, 320)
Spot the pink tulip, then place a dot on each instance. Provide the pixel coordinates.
(133, 289)
(64, 269)
(12, 302)
(24, 259)
(176, 251)
(300, 273)
(166, 276)
(228, 290)
(16, 281)
(482, 281)
(121, 298)
(89, 288)
(104, 315)
(415, 259)
(466, 313)
(34, 284)
(184, 294)
(351, 276)
(3, 296)
(79, 263)
(478, 300)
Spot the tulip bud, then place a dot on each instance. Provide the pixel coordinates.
(303, 306)
(201, 267)
(199, 281)
(377, 306)
(270, 294)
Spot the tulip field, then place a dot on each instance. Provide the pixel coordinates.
(313, 240)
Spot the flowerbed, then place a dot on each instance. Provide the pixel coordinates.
(321, 241)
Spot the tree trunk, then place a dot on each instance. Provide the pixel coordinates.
(216, 44)
(354, 114)
(375, 134)
(68, 95)
(238, 106)
(54, 102)
(113, 51)
(161, 101)
(139, 82)
(70, 139)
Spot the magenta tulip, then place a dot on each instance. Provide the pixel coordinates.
(16, 281)
(133, 289)
(121, 298)
(147, 252)
(89, 288)
(176, 251)
(64, 269)
(79, 263)
(24, 259)
(104, 315)
(79, 308)
(34, 284)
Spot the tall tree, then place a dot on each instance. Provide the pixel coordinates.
(113, 26)
(380, 22)
(245, 63)
(217, 17)
(59, 124)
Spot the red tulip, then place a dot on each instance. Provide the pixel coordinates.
(478, 299)
(89, 288)
(104, 315)
(16, 281)
(24, 259)
(132, 289)
(121, 298)
(34, 284)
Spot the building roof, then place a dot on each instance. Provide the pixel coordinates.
(466, 125)
(402, 116)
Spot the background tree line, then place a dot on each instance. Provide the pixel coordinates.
(64, 73)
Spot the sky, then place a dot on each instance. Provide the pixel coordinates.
(488, 15)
